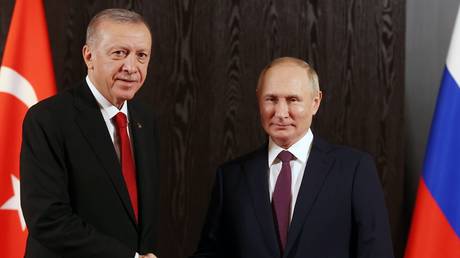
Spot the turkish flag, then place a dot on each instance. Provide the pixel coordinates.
(26, 76)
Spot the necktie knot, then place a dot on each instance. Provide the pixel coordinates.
(285, 156)
(120, 120)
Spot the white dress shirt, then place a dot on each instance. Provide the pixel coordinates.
(301, 150)
(108, 112)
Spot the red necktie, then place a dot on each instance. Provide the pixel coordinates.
(281, 198)
(127, 161)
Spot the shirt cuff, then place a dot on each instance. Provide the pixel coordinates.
(136, 255)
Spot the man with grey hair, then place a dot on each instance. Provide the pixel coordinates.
(89, 168)
(296, 196)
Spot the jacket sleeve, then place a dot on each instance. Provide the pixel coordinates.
(45, 196)
(370, 215)
(211, 236)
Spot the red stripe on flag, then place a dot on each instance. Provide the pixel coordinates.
(430, 236)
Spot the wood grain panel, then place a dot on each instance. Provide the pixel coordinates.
(183, 84)
(6, 10)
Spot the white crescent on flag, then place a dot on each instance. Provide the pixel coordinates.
(13, 83)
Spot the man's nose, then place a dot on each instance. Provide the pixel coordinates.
(129, 64)
(281, 109)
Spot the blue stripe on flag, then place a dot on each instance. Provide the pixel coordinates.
(442, 159)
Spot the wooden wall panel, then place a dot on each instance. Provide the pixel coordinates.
(202, 79)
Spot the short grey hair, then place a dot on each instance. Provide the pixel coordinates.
(311, 73)
(116, 15)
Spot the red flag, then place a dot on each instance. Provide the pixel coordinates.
(26, 76)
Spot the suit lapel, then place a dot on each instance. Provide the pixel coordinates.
(94, 129)
(316, 171)
(256, 171)
(140, 142)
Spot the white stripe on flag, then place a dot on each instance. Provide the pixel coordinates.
(453, 57)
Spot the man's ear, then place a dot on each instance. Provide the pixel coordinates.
(87, 56)
(317, 101)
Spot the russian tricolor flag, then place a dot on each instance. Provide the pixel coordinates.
(435, 230)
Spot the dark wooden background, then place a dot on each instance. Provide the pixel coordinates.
(202, 79)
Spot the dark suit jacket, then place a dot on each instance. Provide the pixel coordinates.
(73, 194)
(339, 211)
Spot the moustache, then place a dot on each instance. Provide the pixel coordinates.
(128, 78)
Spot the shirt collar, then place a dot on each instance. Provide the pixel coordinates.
(300, 149)
(106, 107)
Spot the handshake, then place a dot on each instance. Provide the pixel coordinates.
(149, 255)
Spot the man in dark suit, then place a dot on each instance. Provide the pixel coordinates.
(296, 196)
(89, 156)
